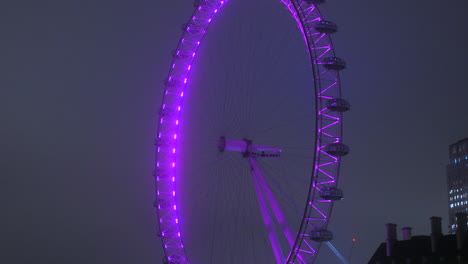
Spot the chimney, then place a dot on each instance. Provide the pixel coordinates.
(391, 238)
(461, 229)
(436, 232)
(406, 233)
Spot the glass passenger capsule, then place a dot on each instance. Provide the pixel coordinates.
(337, 149)
(338, 105)
(326, 27)
(334, 63)
(321, 235)
(331, 193)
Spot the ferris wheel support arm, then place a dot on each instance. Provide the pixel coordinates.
(267, 219)
(337, 253)
(273, 203)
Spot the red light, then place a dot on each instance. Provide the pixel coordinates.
(354, 239)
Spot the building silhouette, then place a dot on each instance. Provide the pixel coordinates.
(433, 249)
(457, 181)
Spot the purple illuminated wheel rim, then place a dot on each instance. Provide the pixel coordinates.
(326, 164)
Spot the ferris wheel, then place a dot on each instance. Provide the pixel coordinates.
(294, 235)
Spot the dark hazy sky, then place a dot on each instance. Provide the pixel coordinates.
(81, 82)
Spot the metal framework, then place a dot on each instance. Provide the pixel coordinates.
(328, 147)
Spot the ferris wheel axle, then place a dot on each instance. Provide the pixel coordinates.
(248, 149)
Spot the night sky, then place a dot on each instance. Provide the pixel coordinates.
(81, 83)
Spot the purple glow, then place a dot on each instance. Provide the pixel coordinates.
(167, 131)
(325, 166)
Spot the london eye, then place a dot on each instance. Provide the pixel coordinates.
(248, 149)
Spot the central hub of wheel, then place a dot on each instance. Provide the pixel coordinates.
(248, 149)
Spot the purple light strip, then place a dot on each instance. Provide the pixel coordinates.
(331, 117)
(326, 48)
(326, 97)
(328, 163)
(326, 154)
(318, 210)
(325, 182)
(305, 251)
(327, 126)
(326, 89)
(328, 135)
(320, 38)
(316, 219)
(307, 243)
(321, 55)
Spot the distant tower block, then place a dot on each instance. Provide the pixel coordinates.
(338, 105)
(457, 181)
(326, 27)
(321, 235)
(330, 193)
(334, 63)
(337, 149)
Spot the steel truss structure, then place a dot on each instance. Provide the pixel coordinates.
(328, 147)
